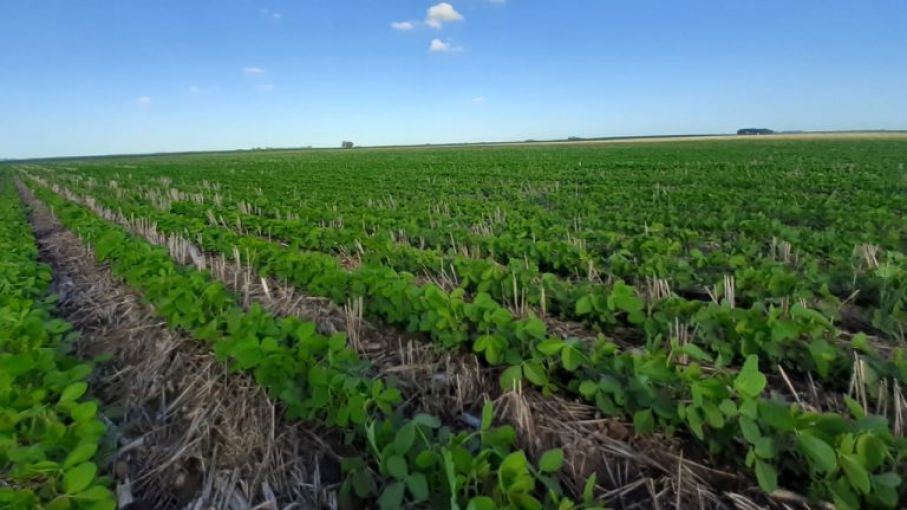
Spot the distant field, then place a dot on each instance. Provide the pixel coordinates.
(733, 309)
(831, 135)
(841, 135)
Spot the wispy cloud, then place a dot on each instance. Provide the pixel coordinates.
(439, 46)
(478, 99)
(402, 25)
(143, 101)
(253, 71)
(441, 13)
(274, 15)
(264, 88)
(194, 89)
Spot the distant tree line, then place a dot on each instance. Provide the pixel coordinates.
(754, 131)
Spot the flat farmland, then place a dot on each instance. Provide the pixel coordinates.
(690, 324)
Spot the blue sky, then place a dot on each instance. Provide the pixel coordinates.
(95, 77)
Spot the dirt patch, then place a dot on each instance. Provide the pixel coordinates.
(188, 433)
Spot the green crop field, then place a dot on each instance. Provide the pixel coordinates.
(690, 324)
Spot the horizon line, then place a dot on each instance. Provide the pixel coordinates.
(569, 140)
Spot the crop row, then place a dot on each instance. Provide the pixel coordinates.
(796, 337)
(318, 378)
(759, 283)
(725, 410)
(50, 432)
(781, 231)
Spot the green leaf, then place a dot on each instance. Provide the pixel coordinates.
(623, 297)
(425, 459)
(392, 496)
(481, 503)
(363, 483)
(550, 346)
(104, 504)
(551, 460)
(887, 494)
(584, 305)
(535, 373)
(887, 480)
(855, 408)
(871, 451)
(798, 311)
(511, 378)
(74, 391)
(77, 479)
(404, 438)
(515, 462)
(588, 489)
(396, 467)
(776, 415)
(643, 421)
(487, 415)
(588, 388)
(86, 411)
(856, 473)
(694, 421)
(62, 502)
(784, 330)
(571, 358)
(358, 414)
(336, 343)
(765, 448)
(843, 496)
(81, 453)
(418, 486)
(767, 476)
(427, 420)
(696, 352)
(728, 408)
(750, 381)
(818, 451)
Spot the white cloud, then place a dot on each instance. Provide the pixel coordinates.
(442, 13)
(402, 25)
(439, 46)
(144, 102)
(253, 71)
(268, 13)
(478, 99)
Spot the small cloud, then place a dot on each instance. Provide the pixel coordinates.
(253, 71)
(478, 99)
(402, 25)
(442, 13)
(268, 13)
(439, 46)
(264, 88)
(194, 89)
(144, 102)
